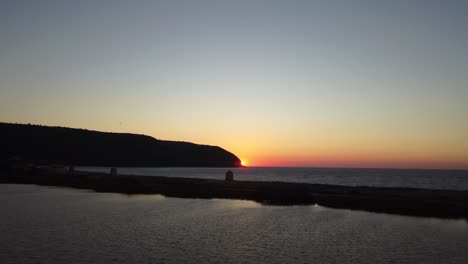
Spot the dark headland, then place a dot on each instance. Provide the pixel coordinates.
(45, 145)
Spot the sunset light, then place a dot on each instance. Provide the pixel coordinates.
(234, 131)
(322, 90)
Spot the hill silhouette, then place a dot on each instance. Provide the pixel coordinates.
(69, 146)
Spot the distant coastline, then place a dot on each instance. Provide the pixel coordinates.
(404, 201)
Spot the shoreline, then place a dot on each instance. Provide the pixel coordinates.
(402, 201)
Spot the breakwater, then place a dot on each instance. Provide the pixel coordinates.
(405, 201)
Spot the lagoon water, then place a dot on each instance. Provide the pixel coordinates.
(58, 225)
(427, 179)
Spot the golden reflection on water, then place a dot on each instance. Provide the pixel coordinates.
(239, 203)
(145, 197)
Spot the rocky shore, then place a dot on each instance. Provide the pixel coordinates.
(404, 201)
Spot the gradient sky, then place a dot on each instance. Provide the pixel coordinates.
(278, 83)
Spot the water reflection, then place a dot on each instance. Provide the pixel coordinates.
(145, 197)
(453, 224)
(53, 225)
(238, 203)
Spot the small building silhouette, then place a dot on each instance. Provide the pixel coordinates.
(113, 171)
(229, 176)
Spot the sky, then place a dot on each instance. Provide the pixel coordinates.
(278, 83)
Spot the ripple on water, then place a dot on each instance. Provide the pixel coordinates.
(55, 225)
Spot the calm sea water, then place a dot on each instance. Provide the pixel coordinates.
(58, 225)
(428, 179)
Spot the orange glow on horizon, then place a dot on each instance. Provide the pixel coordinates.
(338, 152)
(360, 162)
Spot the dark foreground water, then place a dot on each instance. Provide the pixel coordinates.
(427, 179)
(58, 225)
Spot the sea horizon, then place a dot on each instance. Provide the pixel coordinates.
(372, 177)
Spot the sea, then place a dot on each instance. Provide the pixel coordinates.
(41, 224)
(413, 178)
